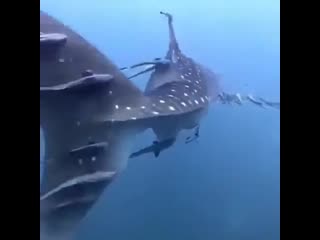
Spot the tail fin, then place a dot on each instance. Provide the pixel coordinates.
(173, 46)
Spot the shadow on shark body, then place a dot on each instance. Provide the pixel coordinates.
(187, 88)
(89, 113)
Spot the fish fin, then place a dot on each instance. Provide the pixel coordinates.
(142, 72)
(146, 63)
(156, 152)
(156, 148)
(173, 45)
(195, 136)
(150, 65)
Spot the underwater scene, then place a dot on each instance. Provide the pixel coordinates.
(159, 120)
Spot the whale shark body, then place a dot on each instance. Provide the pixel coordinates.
(189, 87)
(89, 113)
(85, 149)
(184, 85)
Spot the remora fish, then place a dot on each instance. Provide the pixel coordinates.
(89, 113)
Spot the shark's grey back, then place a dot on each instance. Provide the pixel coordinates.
(70, 62)
(89, 112)
(84, 150)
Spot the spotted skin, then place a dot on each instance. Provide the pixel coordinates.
(182, 86)
(186, 88)
(89, 113)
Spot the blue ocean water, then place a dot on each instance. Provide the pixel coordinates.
(227, 185)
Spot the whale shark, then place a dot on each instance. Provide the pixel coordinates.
(184, 84)
(190, 87)
(80, 93)
(90, 113)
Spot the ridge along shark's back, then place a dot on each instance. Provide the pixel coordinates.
(89, 113)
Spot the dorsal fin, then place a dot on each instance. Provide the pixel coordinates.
(173, 43)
